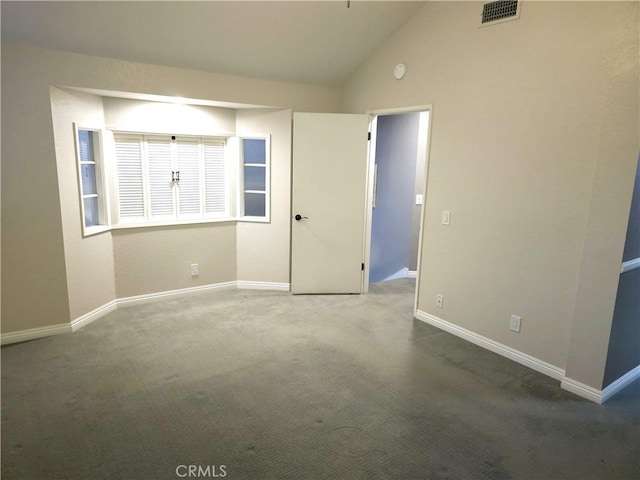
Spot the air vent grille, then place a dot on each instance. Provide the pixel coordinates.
(499, 10)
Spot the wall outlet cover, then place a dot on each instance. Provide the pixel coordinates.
(514, 325)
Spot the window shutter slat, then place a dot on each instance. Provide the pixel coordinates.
(214, 177)
(189, 186)
(160, 187)
(130, 177)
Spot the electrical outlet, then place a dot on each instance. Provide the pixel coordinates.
(195, 270)
(514, 325)
(439, 300)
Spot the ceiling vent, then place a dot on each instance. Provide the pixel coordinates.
(500, 11)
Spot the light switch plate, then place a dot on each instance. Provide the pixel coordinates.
(446, 217)
(418, 199)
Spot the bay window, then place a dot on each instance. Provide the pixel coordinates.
(157, 179)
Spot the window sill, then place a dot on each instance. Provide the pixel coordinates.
(173, 223)
(90, 231)
(254, 220)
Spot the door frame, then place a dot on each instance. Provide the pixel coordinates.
(371, 159)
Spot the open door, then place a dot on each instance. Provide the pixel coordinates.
(328, 202)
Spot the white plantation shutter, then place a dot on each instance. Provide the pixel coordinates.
(130, 177)
(160, 166)
(189, 186)
(214, 176)
(145, 168)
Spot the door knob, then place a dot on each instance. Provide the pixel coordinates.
(299, 217)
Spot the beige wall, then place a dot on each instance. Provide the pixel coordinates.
(149, 260)
(158, 259)
(121, 114)
(263, 248)
(34, 275)
(419, 188)
(34, 280)
(533, 153)
(88, 260)
(610, 202)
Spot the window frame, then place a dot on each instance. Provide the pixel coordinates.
(178, 218)
(241, 190)
(102, 191)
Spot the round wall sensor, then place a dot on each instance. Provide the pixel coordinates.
(399, 71)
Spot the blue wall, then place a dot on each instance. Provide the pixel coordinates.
(624, 342)
(391, 229)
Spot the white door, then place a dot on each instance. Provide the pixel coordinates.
(329, 183)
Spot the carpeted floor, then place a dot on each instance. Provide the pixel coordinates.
(266, 385)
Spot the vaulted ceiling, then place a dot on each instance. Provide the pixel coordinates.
(315, 42)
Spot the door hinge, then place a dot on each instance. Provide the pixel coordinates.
(362, 267)
(369, 136)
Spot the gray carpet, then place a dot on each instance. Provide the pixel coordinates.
(275, 386)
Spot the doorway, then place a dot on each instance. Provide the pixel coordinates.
(326, 221)
(397, 184)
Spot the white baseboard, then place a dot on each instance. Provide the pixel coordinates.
(403, 273)
(630, 265)
(568, 384)
(508, 352)
(87, 318)
(412, 274)
(619, 384)
(600, 396)
(34, 333)
(243, 284)
(582, 390)
(150, 297)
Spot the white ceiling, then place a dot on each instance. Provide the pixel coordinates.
(316, 42)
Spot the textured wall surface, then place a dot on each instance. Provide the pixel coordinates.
(533, 144)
